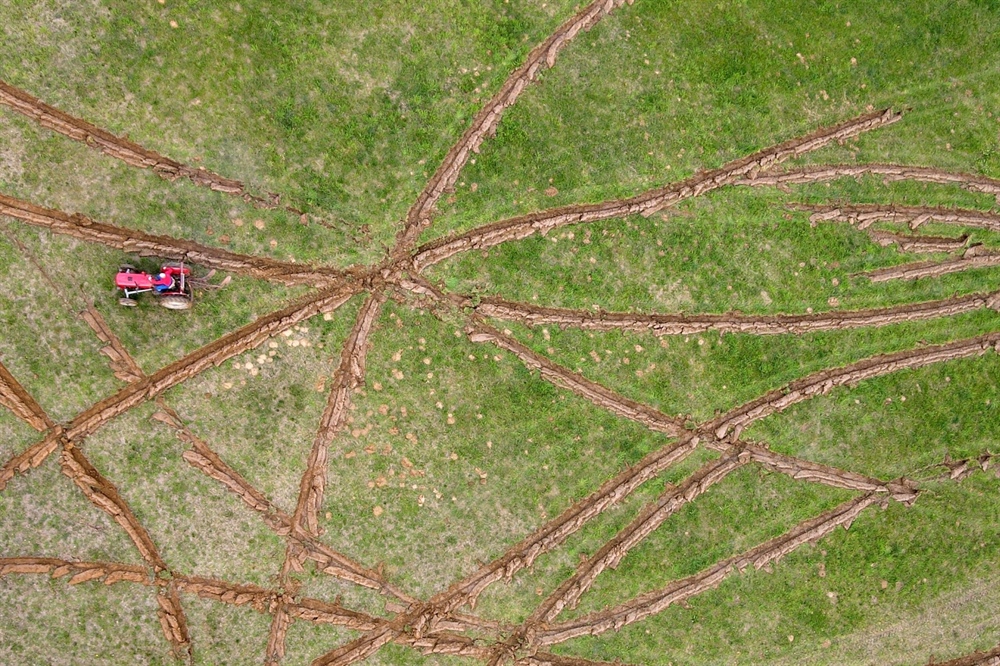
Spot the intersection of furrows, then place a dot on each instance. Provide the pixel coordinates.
(436, 624)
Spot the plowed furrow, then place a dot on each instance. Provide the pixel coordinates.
(202, 457)
(651, 603)
(648, 202)
(173, 622)
(122, 149)
(139, 242)
(350, 374)
(16, 399)
(824, 172)
(685, 324)
(866, 214)
(919, 244)
(210, 355)
(31, 457)
(975, 258)
(275, 651)
(902, 490)
(103, 494)
(485, 123)
(562, 377)
(734, 421)
(649, 519)
(108, 572)
(548, 537)
(123, 365)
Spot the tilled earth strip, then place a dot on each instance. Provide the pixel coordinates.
(212, 354)
(864, 215)
(975, 257)
(122, 149)
(919, 244)
(16, 399)
(732, 423)
(889, 172)
(485, 123)
(650, 603)
(135, 241)
(647, 203)
(685, 324)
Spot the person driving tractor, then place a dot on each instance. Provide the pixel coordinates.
(162, 282)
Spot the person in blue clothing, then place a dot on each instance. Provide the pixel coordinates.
(162, 282)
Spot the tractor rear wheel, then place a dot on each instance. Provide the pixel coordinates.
(127, 268)
(176, 302)
(127, 302)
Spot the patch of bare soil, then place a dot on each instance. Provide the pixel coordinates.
(647, 203)
(685, 324)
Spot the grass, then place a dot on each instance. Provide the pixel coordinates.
(454, 451)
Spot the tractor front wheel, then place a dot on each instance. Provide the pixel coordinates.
(176, 302)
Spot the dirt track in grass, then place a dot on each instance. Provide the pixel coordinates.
(435, 625)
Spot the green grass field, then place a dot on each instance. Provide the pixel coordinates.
(452, 450)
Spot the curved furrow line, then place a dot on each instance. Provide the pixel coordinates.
(14, 397)
(139, 242)
(866, 214)
(31, 457)
(210, 355)
(732, 423)
(479, 331)
(917, 243)
(350, 374)
(685, 324)
(974, 257)
(650, 201)
(123, 149)
(890, 172)
(104, 495)
(485, 123)
(650, 603)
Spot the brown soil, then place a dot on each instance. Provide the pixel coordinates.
(123, 365)
(889, 172)
(127, 151)
(865, 214)
(16, 399)
(685, 324)
(974, 257)
(649, 202)
(651, 603)
(485, 123)
(918, 244)
(139, 242)
(31, 457)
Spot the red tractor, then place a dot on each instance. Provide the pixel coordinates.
(171, 286)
